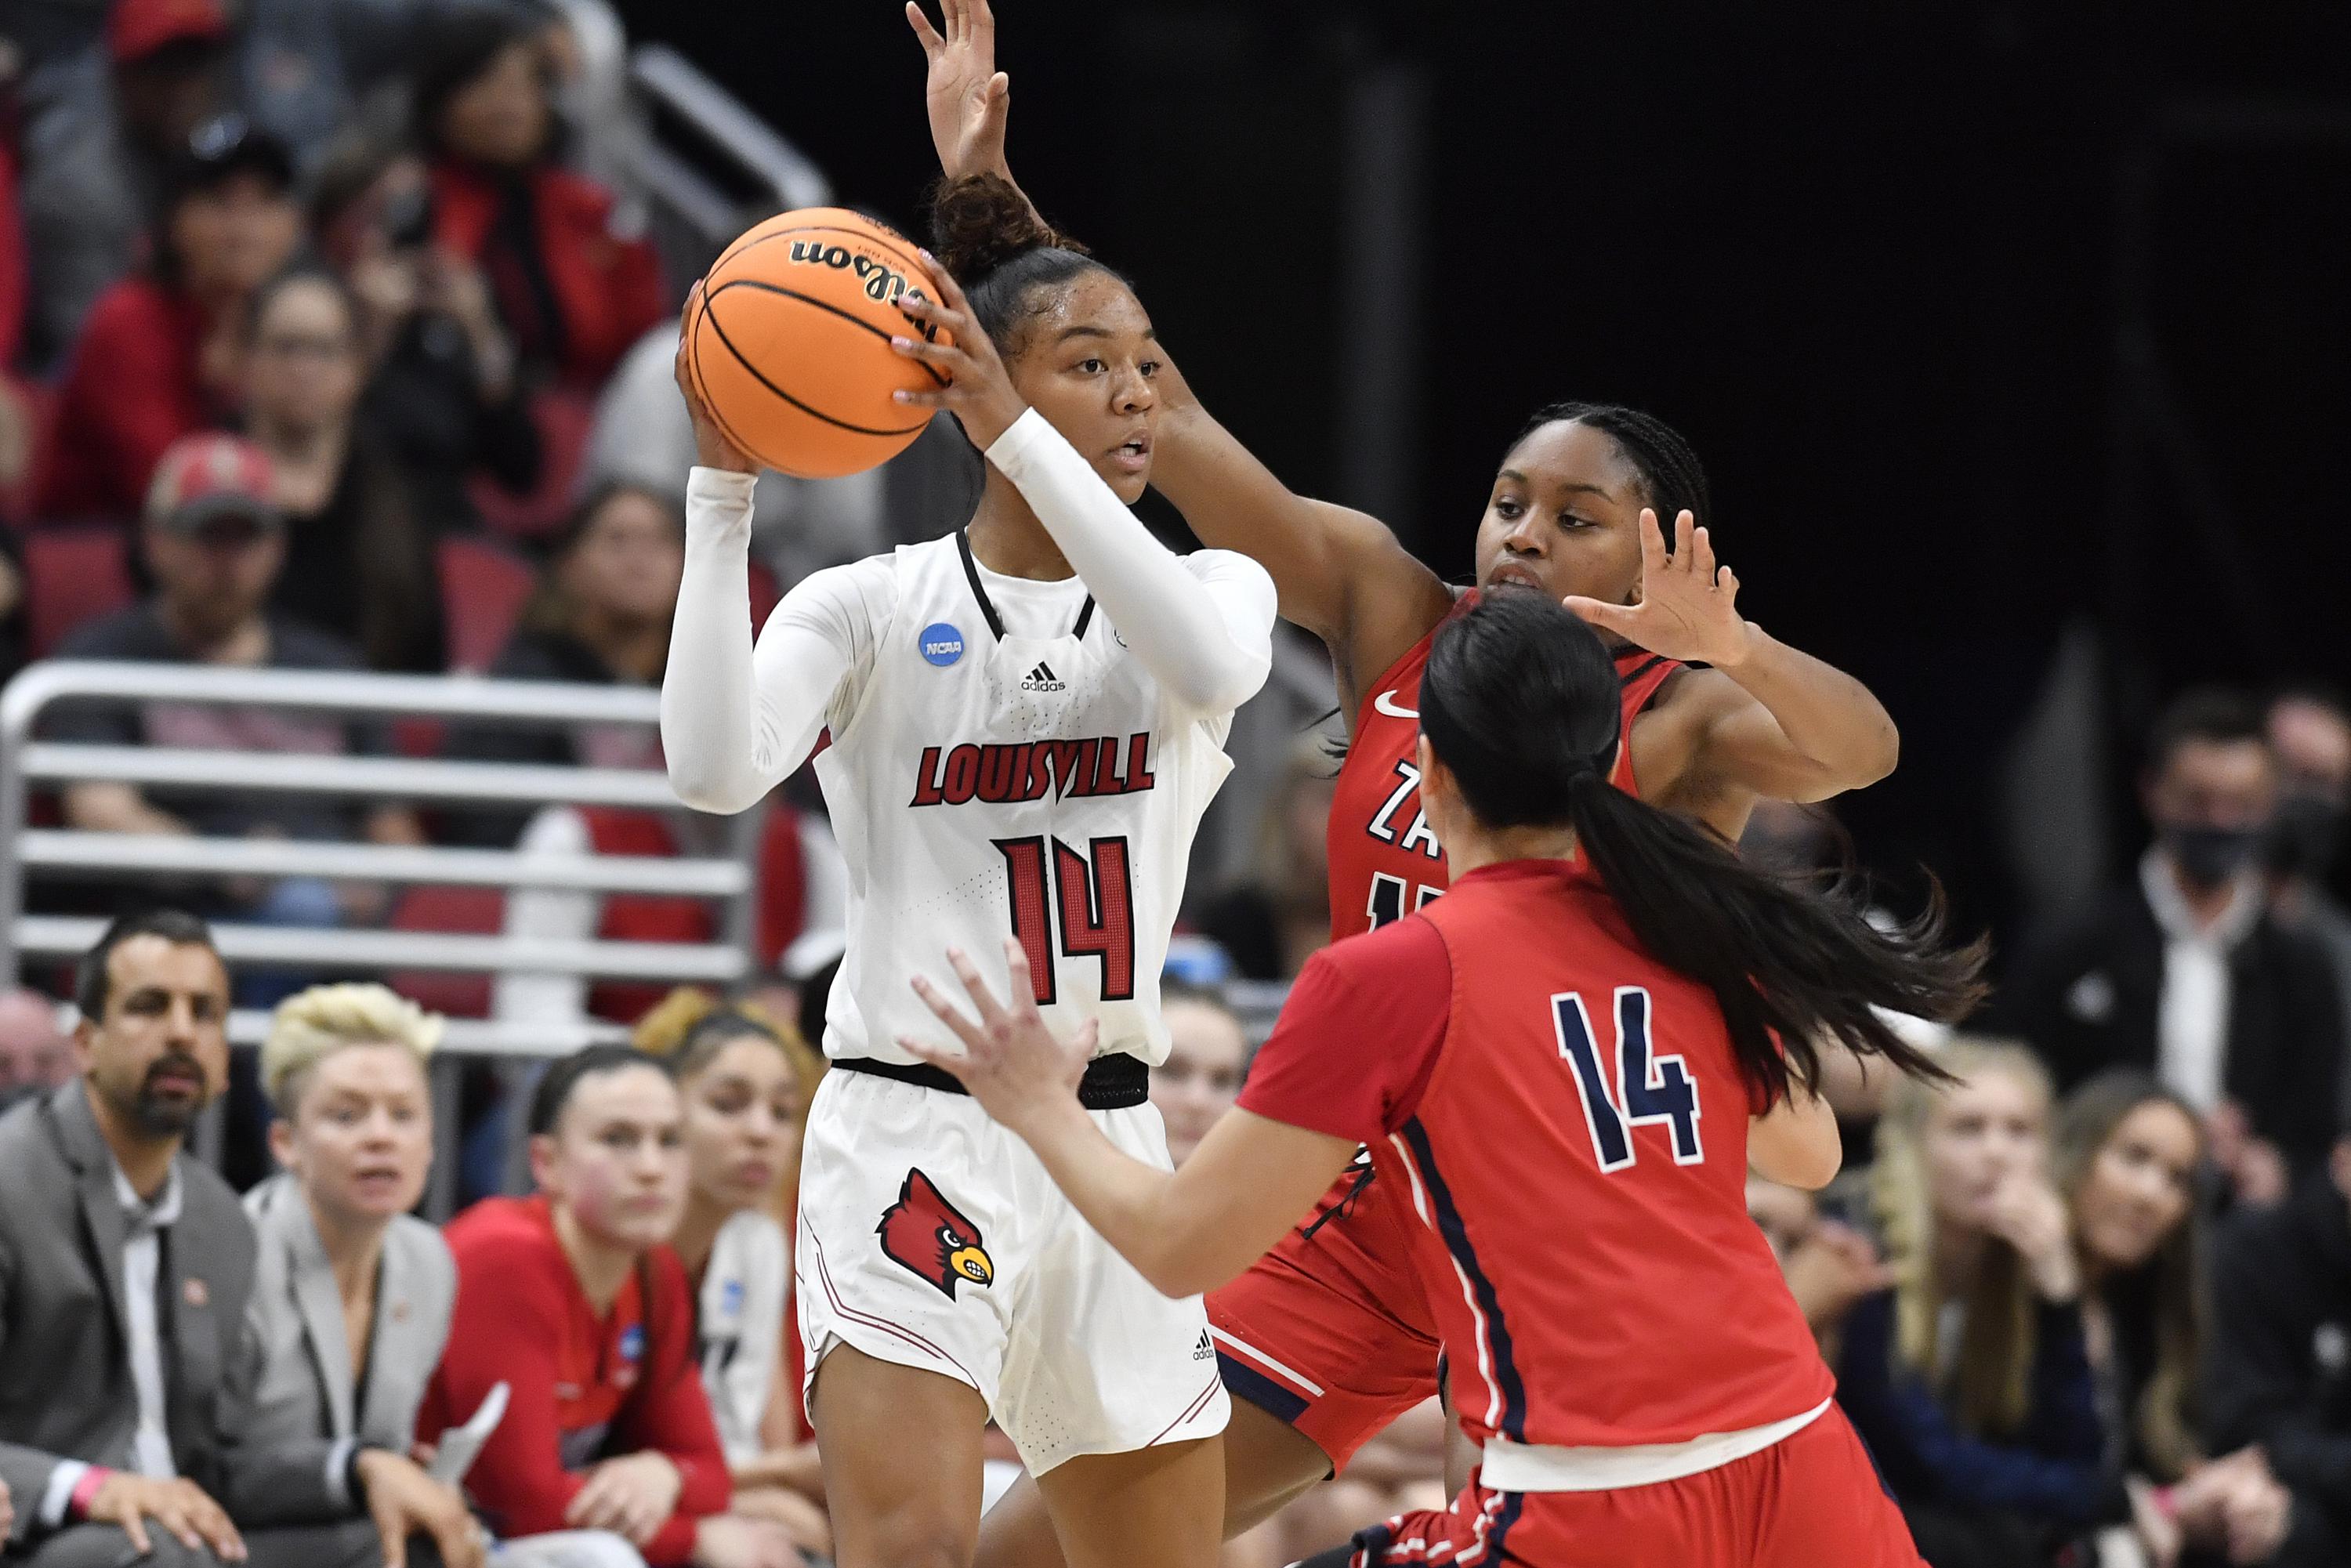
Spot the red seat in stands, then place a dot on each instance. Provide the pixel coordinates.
(564, 419)
(483, 587)
(72, 575)
(467, 911)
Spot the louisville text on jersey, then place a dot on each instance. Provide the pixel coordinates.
(1031, 769)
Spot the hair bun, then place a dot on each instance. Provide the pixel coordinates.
(981, 222)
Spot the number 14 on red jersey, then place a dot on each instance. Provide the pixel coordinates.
(1649, 1088)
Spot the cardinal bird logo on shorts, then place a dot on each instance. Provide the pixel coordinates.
(925, 1233)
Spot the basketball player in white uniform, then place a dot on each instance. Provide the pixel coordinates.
(1017, 729)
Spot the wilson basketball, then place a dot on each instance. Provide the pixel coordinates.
(791, 346)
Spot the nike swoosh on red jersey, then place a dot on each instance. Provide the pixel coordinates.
(1385, 703)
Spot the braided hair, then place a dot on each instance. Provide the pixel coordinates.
(1673, 481)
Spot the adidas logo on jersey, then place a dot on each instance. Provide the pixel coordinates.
(1206, 1350)
(1042, 679)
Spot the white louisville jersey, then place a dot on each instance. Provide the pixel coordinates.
(988, 783)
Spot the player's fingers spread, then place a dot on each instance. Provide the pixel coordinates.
(951, 12)
(1682, 526)
(946, 1011)
(1018, 984)
(924, 1050)
(1702, 562)
(1653, 544)
(975, 984)
(935, 354)
(949, 289)
(1595, 612)
(929, 35)
(1729, 583)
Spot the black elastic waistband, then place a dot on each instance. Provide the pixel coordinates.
(1111, 1083)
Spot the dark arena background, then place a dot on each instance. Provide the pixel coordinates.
(1990, 321)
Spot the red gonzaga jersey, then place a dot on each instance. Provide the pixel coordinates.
(1570, 1122)
(1385, 860)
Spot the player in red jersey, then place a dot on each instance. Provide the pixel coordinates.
(1570, 1061)
(1326, 1341)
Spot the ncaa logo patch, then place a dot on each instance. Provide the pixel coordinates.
(632, 1342)
(942, 645)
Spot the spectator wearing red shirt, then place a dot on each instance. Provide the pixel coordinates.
(573, 1300)
(573, 290)
(158, 359)
(101, 132)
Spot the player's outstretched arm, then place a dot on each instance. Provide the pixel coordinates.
(737, 717)
(1187, 1232)
(1205, 634)
(1338, 572)
(1765, 719)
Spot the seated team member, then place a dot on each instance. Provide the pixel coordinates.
(127, 1366)
(351, 1295)
(573, 1300)
(746, 1080)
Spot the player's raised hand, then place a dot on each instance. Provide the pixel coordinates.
(978, 389)
(1688, 608)
(968, 97)
(711, 448)
(1011, 1061)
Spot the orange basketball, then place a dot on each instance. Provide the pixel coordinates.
(791, 346)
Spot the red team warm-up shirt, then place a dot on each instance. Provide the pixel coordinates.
(581, 1388)
(1570, 1124)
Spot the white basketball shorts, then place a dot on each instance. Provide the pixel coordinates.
(931, 1237)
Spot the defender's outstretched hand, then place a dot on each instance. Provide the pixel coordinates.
(978, 390)
(711, 448)
(1011, 1061)
(968, 97)
(1689, 606)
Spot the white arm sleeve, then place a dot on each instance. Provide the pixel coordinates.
(1207, 637)
(736, 719)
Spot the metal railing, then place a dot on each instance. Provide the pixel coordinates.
(66, 854)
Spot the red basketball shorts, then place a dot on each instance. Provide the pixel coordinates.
(1329, 1331)
(1810, 1500)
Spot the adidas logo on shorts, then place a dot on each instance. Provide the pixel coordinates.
(1042, 679)
(1206, 1350)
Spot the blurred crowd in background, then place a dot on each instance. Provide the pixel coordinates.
(318, 349)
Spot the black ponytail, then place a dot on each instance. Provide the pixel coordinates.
(1519, 702)
(1006, 258)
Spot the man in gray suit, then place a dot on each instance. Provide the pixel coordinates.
(127, 1364)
